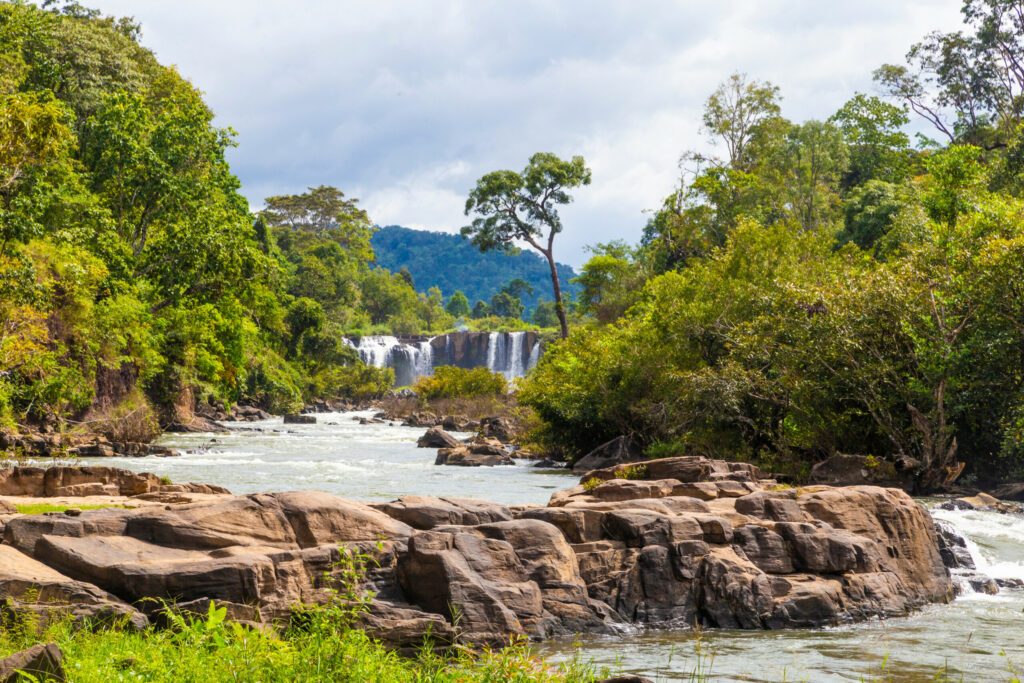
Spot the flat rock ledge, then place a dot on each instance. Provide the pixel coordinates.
(711, 544)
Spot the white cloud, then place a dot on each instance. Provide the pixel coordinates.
(405, 104)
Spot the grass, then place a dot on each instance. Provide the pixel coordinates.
(40, 508)
(323, 648)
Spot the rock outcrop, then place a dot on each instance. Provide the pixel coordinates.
(49, 482)
(713, 544)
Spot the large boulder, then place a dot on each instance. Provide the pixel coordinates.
(32, 587)
(464, 456)
(437, 437)
(619, 451)
(424, 512)
(497, 580)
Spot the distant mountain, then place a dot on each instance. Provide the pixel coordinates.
(449, 262)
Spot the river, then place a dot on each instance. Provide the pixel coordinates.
(978, 638)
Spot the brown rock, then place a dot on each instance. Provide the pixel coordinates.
(41, 662)
(34, 588)
(424, 512)
(437, 437)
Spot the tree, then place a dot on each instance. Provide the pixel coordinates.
(967, 84)
(872, 129)
(481, 310)
(458, 305)
(514, 207)
(737, 111)
(325, 212)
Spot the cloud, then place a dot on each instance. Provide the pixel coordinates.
(405, 104)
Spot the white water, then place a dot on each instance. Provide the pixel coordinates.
(340, 456)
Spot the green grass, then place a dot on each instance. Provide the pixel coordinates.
(213, 650)
(40, 508)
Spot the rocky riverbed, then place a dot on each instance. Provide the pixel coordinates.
(708, 543)
(612, 561)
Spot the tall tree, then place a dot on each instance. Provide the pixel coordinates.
(513, 207)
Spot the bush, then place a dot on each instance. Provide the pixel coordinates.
(130, 421)
(358, 382)
(452, 382)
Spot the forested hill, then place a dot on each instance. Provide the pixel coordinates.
(449, 262)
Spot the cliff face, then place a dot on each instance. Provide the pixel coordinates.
(482, 349)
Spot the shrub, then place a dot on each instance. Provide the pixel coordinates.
(631, 472)
(591, 484)
(451, 382)
(358, 382)
(130, 421)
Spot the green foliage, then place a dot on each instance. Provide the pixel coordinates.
(452, 382)
(458, 305)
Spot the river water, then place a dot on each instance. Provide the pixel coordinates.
(978, 638)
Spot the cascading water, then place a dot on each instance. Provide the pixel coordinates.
(534, 356)
(508, 353)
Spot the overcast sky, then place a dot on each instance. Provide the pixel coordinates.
(404, 104)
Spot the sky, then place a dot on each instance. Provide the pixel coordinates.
(404, 104)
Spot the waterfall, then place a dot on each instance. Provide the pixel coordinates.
(986, 545)
(534, 356)
(506, 354)
(492, 351)
(425, 359)
(408, 361)
(515, 356)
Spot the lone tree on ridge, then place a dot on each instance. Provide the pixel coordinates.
(512, 207)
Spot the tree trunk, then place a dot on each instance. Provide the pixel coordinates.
(557, 289)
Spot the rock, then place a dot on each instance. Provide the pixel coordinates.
(459, 423)
(422, 512)
(854, 470)
(72, 481)
(1012, 492)
(627, 678)
(198, 424)
(619, 451)
(499, 428)
(421, 419)
(437, 437)
(549, 464)
(983, 501)
(41, 662)
(95, 450)
(953, 547)
(31, 587)
(298, 419)
(463, 456)
(497, 580)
